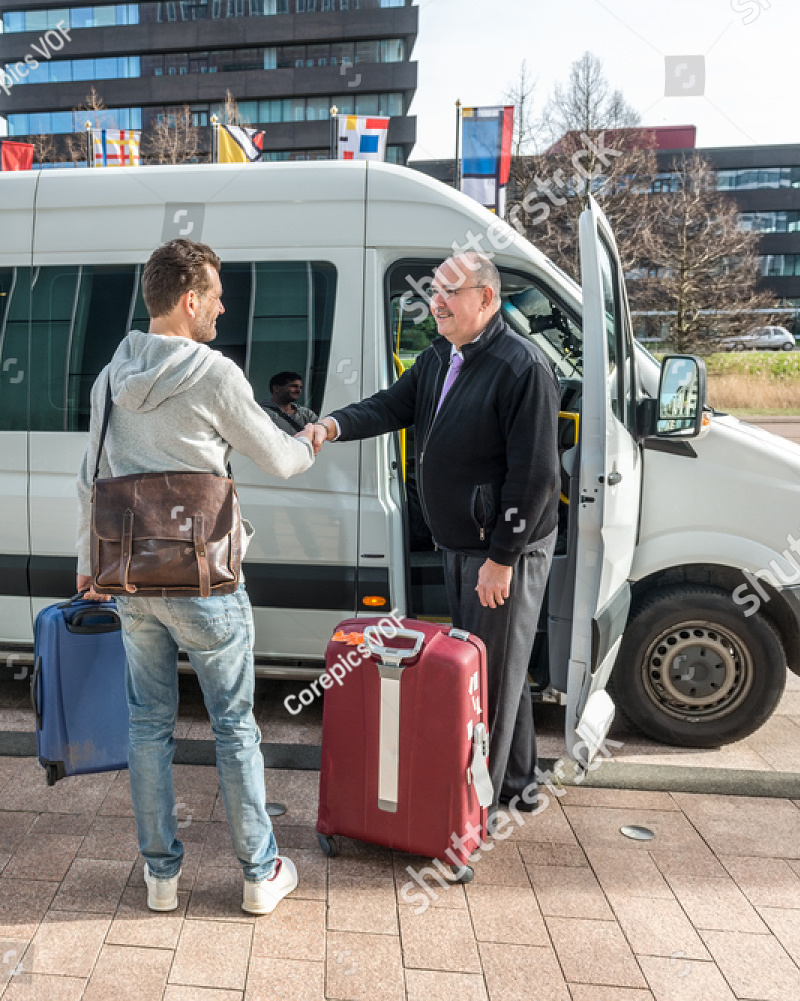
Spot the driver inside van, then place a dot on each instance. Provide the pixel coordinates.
(484, 402)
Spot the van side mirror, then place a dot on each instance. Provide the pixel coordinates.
(681, 397)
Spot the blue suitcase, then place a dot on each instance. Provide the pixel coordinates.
(78, 689)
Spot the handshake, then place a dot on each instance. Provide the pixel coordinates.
(319, 433)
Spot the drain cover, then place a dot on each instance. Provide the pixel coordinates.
(276, 809)
(637, 833)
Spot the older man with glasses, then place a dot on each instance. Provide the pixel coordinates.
(484, 402)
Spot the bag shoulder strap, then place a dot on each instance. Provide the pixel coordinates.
(104, 429)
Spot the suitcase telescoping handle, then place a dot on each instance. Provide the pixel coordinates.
(390, 669)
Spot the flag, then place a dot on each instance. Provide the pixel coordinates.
(361, 137)
(486, 136)
(16, 156)
(115, 147)
(236, 144)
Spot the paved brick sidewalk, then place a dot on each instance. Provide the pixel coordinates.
(565, 909)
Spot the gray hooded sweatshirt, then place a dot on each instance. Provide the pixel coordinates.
(178, 405)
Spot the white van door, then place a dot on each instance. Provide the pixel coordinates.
(610, 476)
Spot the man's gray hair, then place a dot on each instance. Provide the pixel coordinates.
(481, 269)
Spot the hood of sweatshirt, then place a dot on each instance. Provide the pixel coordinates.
(147, 369)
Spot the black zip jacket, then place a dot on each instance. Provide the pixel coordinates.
(487, 463)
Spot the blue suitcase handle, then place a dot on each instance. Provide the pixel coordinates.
(37, 671)
(101, 615)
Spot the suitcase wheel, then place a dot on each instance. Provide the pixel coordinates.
(328, 845)
(467, 873)
(52, 774)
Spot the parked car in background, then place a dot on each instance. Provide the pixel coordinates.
(761, 339)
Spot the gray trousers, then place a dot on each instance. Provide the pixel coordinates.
(508, 632)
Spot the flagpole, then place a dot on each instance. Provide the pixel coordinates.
(89, 146)
(214, 139)
(334, 133)
(457, 165)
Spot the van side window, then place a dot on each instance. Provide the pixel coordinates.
(278, 315)
(14, 359)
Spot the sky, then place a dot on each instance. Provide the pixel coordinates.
(472, 50)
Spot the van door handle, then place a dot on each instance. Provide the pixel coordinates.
(614, 478)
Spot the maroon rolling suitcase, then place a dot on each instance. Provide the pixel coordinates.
(404, 740)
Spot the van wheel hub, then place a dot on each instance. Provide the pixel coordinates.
(696, 670)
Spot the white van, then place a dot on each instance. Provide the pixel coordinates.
(664, 505)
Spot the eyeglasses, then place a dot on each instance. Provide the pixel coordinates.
(448, 293)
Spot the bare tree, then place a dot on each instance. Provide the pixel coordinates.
(526, 126)
(699, 268)
(174, 138)
(230, 111)
(44, 148)
(93, 111)
(587, 103)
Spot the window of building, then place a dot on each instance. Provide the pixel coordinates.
(748, 179)
(392, 50)
(367, 51)
(780, 265)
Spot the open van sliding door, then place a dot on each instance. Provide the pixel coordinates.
(608, 500)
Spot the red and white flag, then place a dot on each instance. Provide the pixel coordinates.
(116, 147)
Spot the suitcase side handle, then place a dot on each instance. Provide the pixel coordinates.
(393, 656)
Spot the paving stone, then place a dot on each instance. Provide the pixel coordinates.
(658, 928)
(541, 853)
(594, 825)
(784, 923)
(295, 930)
(217, 893)
(129, 974)
(15, 961)
(117, 801)
(14, 825)
(362, 904)
(678, 979)
(768, 882)
(756, 966)
(522, 973)
(548, 825)
(217, 849)
(23, 904)
(569, 892)
(506, 914)
(292, 836)
(714, 903)
(439, 939)
(584, 992)
(135, 924)
(745, 825)
(43, 856)
(502, 865)
(357, 858)
(594, 952)
(63, 824)
(92, 886)
(434, 985)
(699, 863)
(364, 967)
(68, 943)
(312, 873)
(175, 992)
(619, 799)
(41, 987)
(75, 794)
(280, 980)
(627, 874)
(212, 954)
(111, 838)
(425, 886)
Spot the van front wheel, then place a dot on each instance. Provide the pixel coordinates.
(694, 671)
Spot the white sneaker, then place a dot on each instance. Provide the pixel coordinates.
(162, 894)
(265, 895)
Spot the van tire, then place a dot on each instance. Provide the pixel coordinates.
(742, 662)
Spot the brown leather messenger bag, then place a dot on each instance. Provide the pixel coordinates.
(169, 534)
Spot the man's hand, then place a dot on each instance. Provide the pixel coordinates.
(324, 430)
(494, 583)
(91, 595)
(309, 434)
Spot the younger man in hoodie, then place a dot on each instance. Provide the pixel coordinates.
(178, 405)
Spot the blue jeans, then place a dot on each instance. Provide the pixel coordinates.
(217, 633)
